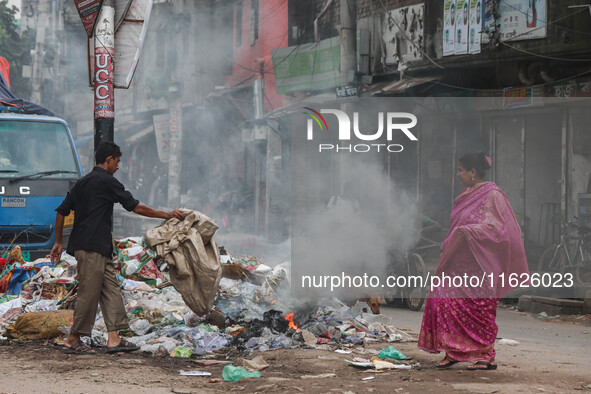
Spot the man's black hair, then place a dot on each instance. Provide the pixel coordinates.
(106, 149)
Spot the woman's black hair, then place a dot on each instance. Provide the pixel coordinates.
(479, 161)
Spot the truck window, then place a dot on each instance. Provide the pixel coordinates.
(30, 147)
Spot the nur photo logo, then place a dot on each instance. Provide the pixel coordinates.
(390, 123)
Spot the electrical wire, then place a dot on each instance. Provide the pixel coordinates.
(502, 90)
(553, 22)
(544, 56)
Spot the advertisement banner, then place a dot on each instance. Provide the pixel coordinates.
(307, 67)
(475, 26)
(488, 20)
(104, 99)
(522, 19)
(462, 15)
(403, 34)
(449, 27)
(88, 10)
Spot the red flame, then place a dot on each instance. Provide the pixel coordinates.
(289, 318)
(272, 302)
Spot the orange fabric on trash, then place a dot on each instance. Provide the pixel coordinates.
(5, 69)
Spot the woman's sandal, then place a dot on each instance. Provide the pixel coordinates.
(446, 365)
(487, 366)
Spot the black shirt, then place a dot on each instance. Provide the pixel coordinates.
(92, 198)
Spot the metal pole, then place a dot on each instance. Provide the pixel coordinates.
(257, 90)
(37, 69)
(176, 151)
(104, 74)
(348, 39)
(348, 13)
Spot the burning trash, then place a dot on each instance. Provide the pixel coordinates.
(250, 310)
(289, 318)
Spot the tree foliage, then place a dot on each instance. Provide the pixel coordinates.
(15, 48)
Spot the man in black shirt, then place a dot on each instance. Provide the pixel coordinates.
(92, 198)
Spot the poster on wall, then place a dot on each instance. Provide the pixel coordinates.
(488, 19)
(475, 26)
(449, 27)
(462, 15)
(522, 19)
(403, 34)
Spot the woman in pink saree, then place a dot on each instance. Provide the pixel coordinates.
(484, 242)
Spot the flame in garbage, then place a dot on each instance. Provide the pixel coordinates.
(274, 301)
(289, 318)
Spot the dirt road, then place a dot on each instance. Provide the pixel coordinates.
(552, 357)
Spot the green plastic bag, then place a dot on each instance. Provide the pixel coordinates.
(182, 352)
(391, 352)
(231, 373)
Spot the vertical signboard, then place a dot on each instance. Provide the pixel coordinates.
(449, 27)
(129, 39)
(162, 130)
(475, 26)
(88, 11)
(462, 15)
(104, 99)
(522, 19)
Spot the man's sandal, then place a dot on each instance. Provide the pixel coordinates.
(487, 366)
(124, 346)
(448, 364)
(79, 348)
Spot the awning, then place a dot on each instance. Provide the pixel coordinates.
(139, 135)
(398, 86)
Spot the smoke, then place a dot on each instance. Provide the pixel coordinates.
(363, 229)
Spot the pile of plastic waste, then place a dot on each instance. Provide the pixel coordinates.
(253, 309)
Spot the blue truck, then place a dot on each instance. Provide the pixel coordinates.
(38, 165)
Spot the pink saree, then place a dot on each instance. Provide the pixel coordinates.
(484, 239)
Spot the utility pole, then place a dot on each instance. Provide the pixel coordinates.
(175, 148)
(258, 93)
(39, 53)
(348, 38)
(104, 74)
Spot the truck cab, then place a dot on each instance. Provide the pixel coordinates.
(38, 166)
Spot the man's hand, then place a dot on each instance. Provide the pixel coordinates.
(56, 253)
(176, 214)
(145, 210)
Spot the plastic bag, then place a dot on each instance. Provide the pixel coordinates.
(210, 344)
(231, 373)
(141, 326)
(391, 352)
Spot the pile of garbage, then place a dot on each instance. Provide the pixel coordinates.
(252, 311)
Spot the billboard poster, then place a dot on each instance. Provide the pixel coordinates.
(522, 19)
(462, 15)
(403, 34)
(449, 27)
(475, 26)
(489, 25)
